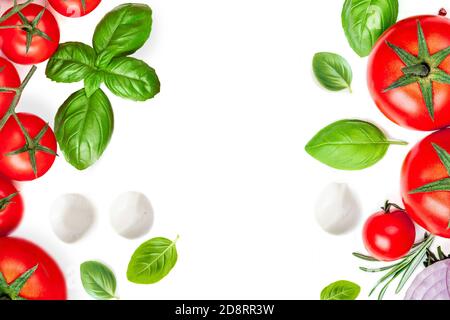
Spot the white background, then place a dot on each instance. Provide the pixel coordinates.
(220, 154)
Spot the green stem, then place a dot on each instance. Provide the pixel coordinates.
(418, 70)
(17, 26)
(19, 91)
(398, 142)
(15, 9)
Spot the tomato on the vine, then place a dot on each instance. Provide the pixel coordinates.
(28, 147)
(30, 37)
(74, 8)
(425, 183)
(9, 78)
(11, 208)
(409, 73)
(29, 272)
(389, 234)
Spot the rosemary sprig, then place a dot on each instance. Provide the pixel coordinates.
(432, 258)
(404, 268)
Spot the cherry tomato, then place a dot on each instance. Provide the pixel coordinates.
(425, 183)
(30, 44)
(408, 73)
(9, 78)
(389, 234)
(74, 8)
(43, 278)
(11, 208)
(29, 153)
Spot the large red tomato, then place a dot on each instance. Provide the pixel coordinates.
(425, 183)
(9, 78)
(74, 8)
(409, 73)
(11, 207)
(26, 152)
(389, 234)
(34, 40)
(35, 273)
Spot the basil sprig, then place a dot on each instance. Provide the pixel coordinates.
(84, 123)
(364, 21)
(340, 290)
(98, 280)
(152, 261)
(350, 145)
(332, 71)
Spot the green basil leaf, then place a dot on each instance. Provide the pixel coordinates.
(83, 127)
(152, 261)
(340, 290)
(72, 62)
(93, 82)
(332, 71)
(131, 79)
(122, 31)
(365, 20)
(349, 145)
(98, 280)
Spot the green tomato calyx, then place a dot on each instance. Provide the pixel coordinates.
(422, 69)
(12, 291)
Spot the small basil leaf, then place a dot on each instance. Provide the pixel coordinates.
(98, 280)
(72, 62)
(93, 82)
(365, 20)
(122, 31)
(332, 71)
(349, 145)
(131, 79)
(340, 290)
(152, 261)
(83, 127)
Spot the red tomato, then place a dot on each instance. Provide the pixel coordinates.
(426, 185)
(18, 256)
(416, 97)
(9, 78)
(389, 235)
(11, 208)
(45, 36)
(74, 8)
(40, 145)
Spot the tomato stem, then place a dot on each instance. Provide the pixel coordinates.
(398, 142)
(18, 95)
(4, 202)
(16, 8)
(12, 291)
(419, 70)
(388, 205)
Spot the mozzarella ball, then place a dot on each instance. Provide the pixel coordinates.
(71, 216)
(337, 210)
(131, 215)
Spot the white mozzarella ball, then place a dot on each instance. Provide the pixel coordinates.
(131, 215)
(71, 216)
(337, 209)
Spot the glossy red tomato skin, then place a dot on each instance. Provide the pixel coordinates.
(422, 165)
(405, 106)
(9, 78)
(389, 236)
(41, 49)
(18, 167)
(11, 215)
(18, 255)
(74, 8)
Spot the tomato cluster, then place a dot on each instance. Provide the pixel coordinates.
(29, 34)
(409, 80)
